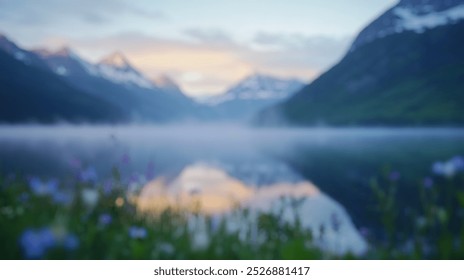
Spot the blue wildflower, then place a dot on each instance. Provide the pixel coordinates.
(458, 162)
(62, 198)
(35, 243)
(88, 175)
(105, 219)
(108, 187)
(41, 188)
(137, 232)
(71, 242)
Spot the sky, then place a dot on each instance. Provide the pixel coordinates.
(204, 45)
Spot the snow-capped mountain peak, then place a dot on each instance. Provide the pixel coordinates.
(412, 15)
(117, 68)
(258, 87)
(116, 59)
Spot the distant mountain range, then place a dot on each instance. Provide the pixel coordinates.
(250, 95)
(406, 68)
(113, 88)
(72, 89)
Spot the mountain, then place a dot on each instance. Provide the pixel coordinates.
(250, 95)
(406, 68)
(31, 93)
(116, 81)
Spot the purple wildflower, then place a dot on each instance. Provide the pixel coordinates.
(394, 176)
(365, 232)
(108, 187)
(125, 159)
(335, 222)
(88, 175)
(137, 232)
(105, 219)
(428, 182)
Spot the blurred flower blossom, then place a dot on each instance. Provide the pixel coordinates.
(105, 219)
(458, 162)
(449, 168)
(42, 188)
(35, 243)
(428, 182)
(365, 232)
(75, 163)
(137, 232)
(24, 197)
(215, 223)
(335, 222)
(125, 159)
(71, 242)
(394, 176)
(119, 201)
(62, 198)
(166, 248)
(90, 197)
(88, 175)
(108, 187)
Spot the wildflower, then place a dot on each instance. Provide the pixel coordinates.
(215, 223)
(107, 187)
(70, 242)
(75, 163)
(335, 221)
(137, 232)
(125, 159)
(449, 168)
(90, 197)
(24, 197)
(365, 232)
(36, 243)
(166, 248)
(458, 162)
(43, 188)
(428, 182)
(119, 202)
(394, 176)
(88, 175)
(62, 198)
(105, 219)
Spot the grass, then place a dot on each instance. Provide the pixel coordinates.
(89, 220)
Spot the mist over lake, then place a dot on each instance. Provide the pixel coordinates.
(339, 162)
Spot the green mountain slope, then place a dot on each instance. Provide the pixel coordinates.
(405, 79)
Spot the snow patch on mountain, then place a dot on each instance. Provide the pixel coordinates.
(412, 15)
(118, 69)
(257, 87)
(408, 19)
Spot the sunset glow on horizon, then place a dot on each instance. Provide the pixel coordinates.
(204, 46)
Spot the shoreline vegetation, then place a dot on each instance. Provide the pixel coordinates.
(43, 219)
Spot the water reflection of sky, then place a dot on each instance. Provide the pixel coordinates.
(210, 190)
(250, 166)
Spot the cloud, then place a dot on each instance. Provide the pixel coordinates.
(65, 11)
